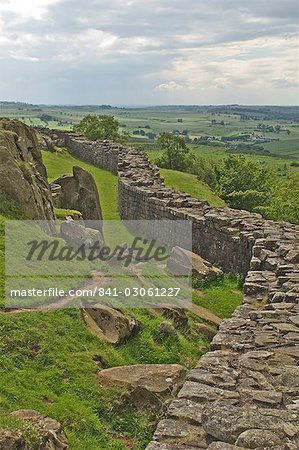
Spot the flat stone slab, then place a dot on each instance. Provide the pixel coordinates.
(157, 378)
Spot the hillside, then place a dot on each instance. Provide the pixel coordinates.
(55, 358)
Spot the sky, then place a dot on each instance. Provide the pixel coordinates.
(134, 52)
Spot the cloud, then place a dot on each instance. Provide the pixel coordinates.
(141, 52)
(170, 86)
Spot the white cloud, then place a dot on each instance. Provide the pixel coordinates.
(24, 10)
(170, 86)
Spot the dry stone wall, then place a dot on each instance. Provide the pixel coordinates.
(244, 393)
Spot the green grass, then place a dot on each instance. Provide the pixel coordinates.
(221, 298)
(190, 184)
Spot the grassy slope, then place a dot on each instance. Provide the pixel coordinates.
(52, 356)
(188, 183)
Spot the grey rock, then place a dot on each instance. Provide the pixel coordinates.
(199, 391)
(11, 440)
(256, 438)
(227, 422)
(23, 177)
(111, 325)
(76, 235)
(51, 435)
(79, 192)
(185, 409)
(182, 431)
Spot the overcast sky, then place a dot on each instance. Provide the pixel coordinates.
(149, 52)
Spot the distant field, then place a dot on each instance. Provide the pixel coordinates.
(216, 154)
(196, 121)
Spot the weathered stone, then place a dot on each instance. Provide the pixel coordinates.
(199, 391)
(169, 429)
(226, 423)
(257, 438)
(157, 378)
(207, 331)
(286, 327)
(224, 379)
(11, 440)
(178, 316)
(182, 262)
(169, 446)
(293, 256)
(76, 235)
(79, 192)
(224, 446)
(166, 328)
(186, 409)
(50, 433)
(110, 324)
(23, 177)
(262, 396)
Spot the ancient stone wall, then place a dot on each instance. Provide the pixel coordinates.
(244, 393)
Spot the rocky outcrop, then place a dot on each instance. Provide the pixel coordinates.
(48, 433)
(111, 325)
(79, 192)
(23, 177)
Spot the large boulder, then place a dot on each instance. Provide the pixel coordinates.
(23, 177)
(79, 192)
(111, 325)
(182, 261)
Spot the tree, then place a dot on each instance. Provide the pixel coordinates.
(243, 184)
(100, 128)
(284, 200)
(175, 154)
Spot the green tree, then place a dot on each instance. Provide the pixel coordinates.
(284, 200)
(242, 183)
(100, 128)
(175, 154)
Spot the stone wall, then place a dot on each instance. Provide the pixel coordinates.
(244, 393)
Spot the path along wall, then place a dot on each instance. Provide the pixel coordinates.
(244, 393)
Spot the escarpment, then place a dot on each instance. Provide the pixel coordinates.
(23, 177)
(244, 392)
